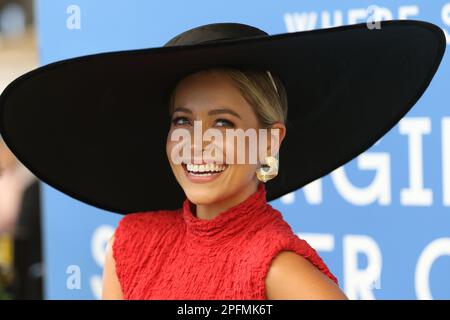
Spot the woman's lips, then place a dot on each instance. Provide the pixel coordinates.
(198, 177)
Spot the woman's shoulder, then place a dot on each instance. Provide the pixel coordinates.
(273, 227)
(137, 228)
(278, 236)
(136, 237)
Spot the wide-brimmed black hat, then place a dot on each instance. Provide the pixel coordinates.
(95, 127)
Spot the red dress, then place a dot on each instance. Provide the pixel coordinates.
(172, 254)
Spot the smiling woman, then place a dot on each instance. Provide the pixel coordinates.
(199, 95)
(202, 228)
(226, 242)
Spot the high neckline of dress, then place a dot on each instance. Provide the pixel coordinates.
(227, 223)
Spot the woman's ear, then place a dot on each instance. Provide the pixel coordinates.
(277, 132)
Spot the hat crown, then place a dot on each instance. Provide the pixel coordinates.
(215, 32)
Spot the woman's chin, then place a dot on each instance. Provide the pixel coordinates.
(202, 196)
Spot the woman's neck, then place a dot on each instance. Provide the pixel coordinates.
(210, 211)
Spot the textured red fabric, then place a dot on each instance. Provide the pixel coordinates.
(172, 254)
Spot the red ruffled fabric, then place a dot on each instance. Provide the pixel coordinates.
(172, 254)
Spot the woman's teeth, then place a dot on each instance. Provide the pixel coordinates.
(205, 169)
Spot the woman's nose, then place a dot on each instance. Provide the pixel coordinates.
(198, 145)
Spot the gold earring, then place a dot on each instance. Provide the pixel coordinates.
(268, 170)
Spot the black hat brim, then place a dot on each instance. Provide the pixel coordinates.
(95, 127)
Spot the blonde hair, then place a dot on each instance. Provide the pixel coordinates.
(263, 90)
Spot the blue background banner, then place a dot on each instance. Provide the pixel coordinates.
(381, 222)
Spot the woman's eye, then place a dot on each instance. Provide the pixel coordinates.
(224, 123)
(180, 121)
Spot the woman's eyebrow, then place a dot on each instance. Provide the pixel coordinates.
(224, 110)
(182, 109)
(211, 112)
